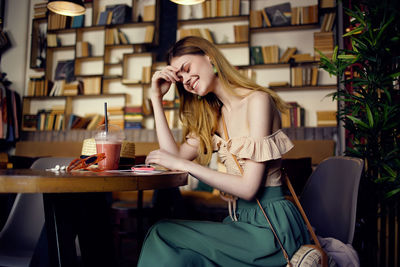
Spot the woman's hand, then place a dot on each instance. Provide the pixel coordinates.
(165, 159)
(162, 80)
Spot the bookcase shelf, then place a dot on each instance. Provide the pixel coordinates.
(298, 88)
(286, 28)
(232, 45)
(212, 20)
(97, 64)
(299, 35)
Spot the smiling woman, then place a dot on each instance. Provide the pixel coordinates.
(217, 101)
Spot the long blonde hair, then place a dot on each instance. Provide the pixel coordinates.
(200, 116)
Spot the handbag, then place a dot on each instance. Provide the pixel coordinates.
(309, 255)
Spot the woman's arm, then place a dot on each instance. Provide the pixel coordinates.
(161, 83)
(245, 186)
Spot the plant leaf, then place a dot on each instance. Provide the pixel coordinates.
(392, 193)
(357, 121)
(369, 115)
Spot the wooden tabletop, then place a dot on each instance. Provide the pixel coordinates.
(38, 181)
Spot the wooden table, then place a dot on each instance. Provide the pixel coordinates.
(65, 193)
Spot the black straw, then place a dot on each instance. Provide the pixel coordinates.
(105, 117)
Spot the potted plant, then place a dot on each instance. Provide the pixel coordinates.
(368, 72)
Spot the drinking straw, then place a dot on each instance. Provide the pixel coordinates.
(105, 117)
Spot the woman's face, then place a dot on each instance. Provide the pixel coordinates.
(195, 73)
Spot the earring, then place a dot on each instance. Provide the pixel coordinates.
(214, 68)
(199, 97)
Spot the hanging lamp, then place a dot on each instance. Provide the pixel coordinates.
(187, 2)
(67, 7)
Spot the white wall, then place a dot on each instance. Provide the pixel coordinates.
(13, 61)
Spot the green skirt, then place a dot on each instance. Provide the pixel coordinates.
(246, 242)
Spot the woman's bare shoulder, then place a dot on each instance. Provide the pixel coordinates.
(259, 98)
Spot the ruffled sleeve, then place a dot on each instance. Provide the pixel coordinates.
(258, 149)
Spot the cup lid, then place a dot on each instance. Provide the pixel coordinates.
(114, 133)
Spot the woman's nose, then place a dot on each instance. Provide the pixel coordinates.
(185, 78)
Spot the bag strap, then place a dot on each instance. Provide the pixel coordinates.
(285, 255)
(297, 202)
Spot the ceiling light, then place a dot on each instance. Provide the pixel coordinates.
(187, 2)
(67, 7)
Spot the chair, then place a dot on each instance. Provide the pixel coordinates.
(330, 195)
(24, 224)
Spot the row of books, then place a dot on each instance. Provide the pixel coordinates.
(241, 33)
(40, 10)
(116, 36)
(271, 55)
(57, 21)
(212, 8)
(294, 116)
(200, 32)
(283, 15)
(264, 54)
(44, 120)
(304, 76)
(304, 15)
(328, 21)
(38, 86)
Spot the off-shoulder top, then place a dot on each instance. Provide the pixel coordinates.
(269, 148)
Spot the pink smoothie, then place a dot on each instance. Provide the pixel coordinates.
(112, 151)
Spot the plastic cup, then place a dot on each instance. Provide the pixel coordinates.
(109, 142)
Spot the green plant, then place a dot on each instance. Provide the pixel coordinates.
(370, 94)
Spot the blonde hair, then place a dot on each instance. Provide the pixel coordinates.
(200, 116)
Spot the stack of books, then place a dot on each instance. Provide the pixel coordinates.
(294, 116)
(40, 10)
(133, 117)
(323, 42)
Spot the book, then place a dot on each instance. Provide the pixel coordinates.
(121, 13)
(103, 17)
(256, 56)
(91, 85)
(149, 35)
(326, 118)
(266, 18)
(241, 33)
(279, 15)
(289, 52)
(77, 21)
(65, 70)
(29, 122)
(255, 19)
(278, 84)
(149, 13)
(123, 37)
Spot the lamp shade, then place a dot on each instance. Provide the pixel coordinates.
(187, 2)
(67, 8)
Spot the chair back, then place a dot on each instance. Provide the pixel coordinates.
(24, 224)
(330, 195)
(50, 162)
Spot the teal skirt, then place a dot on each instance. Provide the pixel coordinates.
(246, 242)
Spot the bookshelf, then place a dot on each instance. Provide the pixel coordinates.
(297, 77)
(102, 46)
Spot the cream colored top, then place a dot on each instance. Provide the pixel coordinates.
(269, 148)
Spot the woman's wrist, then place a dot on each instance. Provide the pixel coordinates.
(155, 99)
